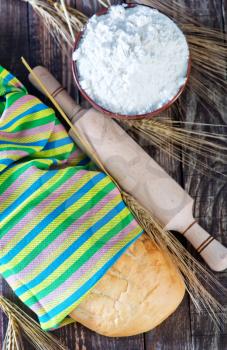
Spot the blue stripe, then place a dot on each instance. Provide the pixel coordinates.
(48, 219)
(34, 109)
(6, 161)
(84, 161)
(71, 249)
(58, 143)
(7, 79)
(84, 288)
(30, 191)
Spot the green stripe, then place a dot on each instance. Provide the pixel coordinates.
(74, 148)
(57, 121)
(29, 149)
(36, 200)
(61, 228)
(34, 123)
(13, 116)
(2, 107)
(60, 156)
(14, 96)
(21, 168)
(85, 257)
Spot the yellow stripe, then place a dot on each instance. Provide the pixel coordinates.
(44, 187)
(6, 154)
(55, 151)
(67, 243)
(54, 224)
(14, 81)
(87, 276)
(28, 118)
(20, 110)
(10, 172)
(75, 161)
(42, 236)
(55, 136)
(22, 188)
(83, 249)
(37, 173)
(24, 231)
(4, 74)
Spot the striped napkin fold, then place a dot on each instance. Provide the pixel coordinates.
(63, 223)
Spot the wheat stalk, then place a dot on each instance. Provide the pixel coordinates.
(13, 340)
(20, 323)
(68, 21)
(53, 17)
(209, 63)
(173, 136)
(188, 266)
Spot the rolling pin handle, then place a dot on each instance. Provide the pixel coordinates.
(212, 251)
(57, 91)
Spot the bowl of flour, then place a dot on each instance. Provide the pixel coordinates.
(131, 61)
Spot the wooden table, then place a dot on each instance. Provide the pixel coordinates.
(22, 33)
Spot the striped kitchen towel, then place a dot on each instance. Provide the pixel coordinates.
(63, 223)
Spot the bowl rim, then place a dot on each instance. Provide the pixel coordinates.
(105, 111)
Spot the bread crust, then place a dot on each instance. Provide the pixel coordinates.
(137, 293)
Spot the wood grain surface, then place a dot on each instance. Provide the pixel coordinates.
(22, 33)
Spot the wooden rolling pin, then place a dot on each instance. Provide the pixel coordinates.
(137, 173)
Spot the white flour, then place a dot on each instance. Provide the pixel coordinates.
(132, 61)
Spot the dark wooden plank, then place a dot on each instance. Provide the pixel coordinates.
(78, 337)
(174, 333)
(44, 51)
(14, 44)
(207, 12)
(14, 36)
(224, 14)
(214, 343)
(210, 194)
(211, 211)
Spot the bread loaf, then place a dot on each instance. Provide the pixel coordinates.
(140, 291)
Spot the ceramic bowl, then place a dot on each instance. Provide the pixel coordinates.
(117, 115)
